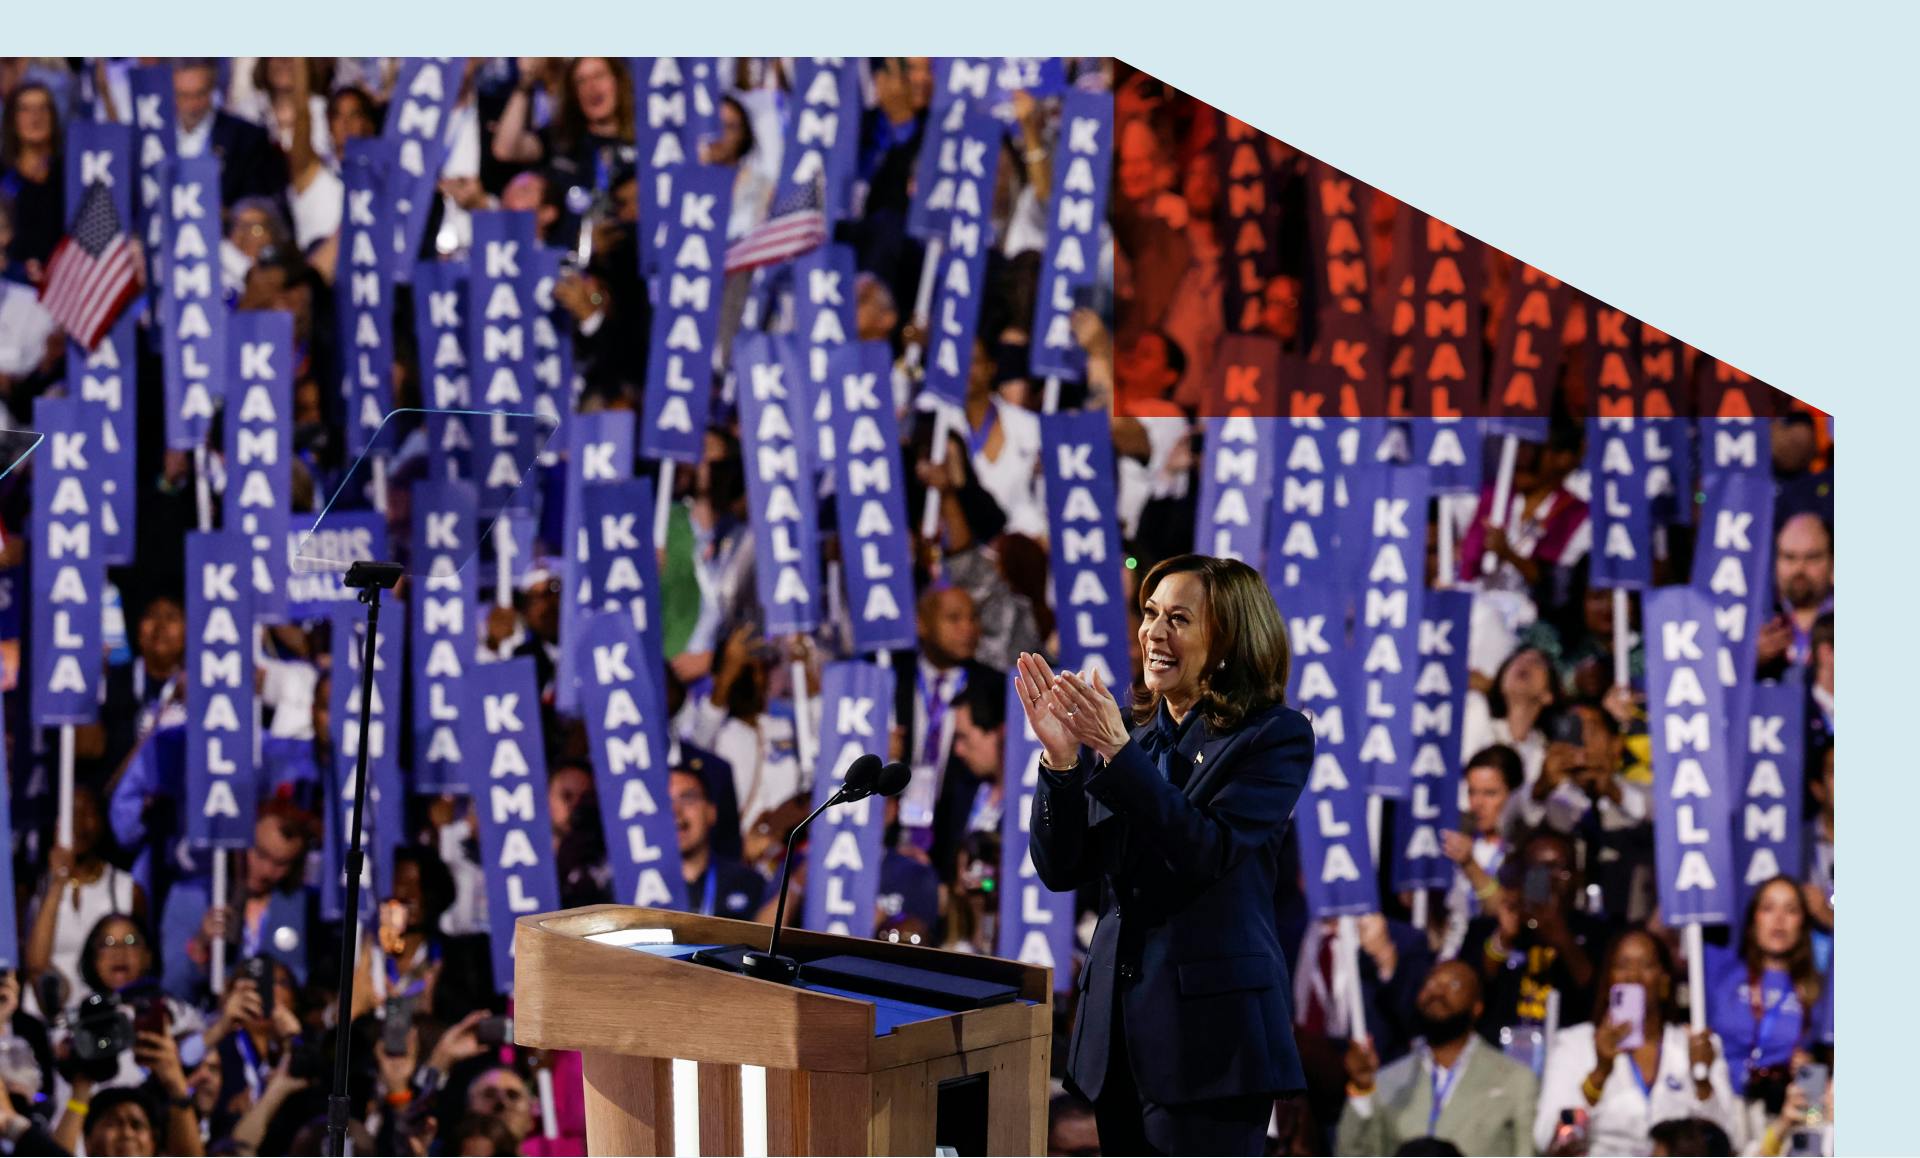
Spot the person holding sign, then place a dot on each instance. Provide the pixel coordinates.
(1183, 1037)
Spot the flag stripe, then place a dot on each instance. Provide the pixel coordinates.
(92, 274)
(778, 240)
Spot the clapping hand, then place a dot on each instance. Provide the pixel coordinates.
(1035, 681)
(1089, 712)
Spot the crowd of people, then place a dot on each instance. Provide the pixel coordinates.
(1491, 1030)
(1487, 1030)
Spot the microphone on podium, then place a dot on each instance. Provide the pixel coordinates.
(866, 776)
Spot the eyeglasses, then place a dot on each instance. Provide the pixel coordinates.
(126, 940)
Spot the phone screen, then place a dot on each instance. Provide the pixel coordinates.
(1812, 1080)
(1627, 1005)
(152, 1017)
(1536, 888)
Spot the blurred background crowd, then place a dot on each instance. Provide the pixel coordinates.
(1554, 906)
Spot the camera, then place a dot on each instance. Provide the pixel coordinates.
(101, 1033)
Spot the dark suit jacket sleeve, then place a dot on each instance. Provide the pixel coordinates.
(1061, 840)
(1203, 843)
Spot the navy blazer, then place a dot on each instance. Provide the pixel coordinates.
(1188, 940)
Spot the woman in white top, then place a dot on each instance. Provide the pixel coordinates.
(82, 888)
(1626, 1089)
(1515, 711)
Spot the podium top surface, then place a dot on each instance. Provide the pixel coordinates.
(615, 978)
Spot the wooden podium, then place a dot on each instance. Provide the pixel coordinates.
(686, 1058)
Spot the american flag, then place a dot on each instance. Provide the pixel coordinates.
(795, 225)
(93, 273)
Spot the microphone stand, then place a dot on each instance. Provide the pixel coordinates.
(771, 966)
(370, 578)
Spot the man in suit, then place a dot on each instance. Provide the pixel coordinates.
(1452, 1086)
(973, 793)
(250, 164)
(926, 689)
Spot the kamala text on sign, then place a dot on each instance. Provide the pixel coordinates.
(1387, 632)
(622, 573)
(1335, 858)
(416, 134)
(1693, 805)
(439, 323)
(222, 782)
(194, 315)
(364, 289)
(1300, 540)
(968, 237)
(1730, 567)
(104, 376)
(823, 132)
(510, 800)
(1767, 831)
(1433, 808)
(686, 316)
(823, 322)
(673, 107)
(69, 575)
(1077, 449)
(628, 732)
(1251, 221)
(780, 487)
(1526, 358)
(443, 630)
(259, 427)
(870, 504)
(1082, 168)
(963, 88)
(151, 89)
(844, 847)
(1236, 479)
(500, 345)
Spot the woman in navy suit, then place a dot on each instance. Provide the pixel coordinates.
(1184, 1034)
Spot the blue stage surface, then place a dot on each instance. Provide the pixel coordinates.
(888, 1014)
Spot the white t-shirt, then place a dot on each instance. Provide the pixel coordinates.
(317, 208)
(1013, 479)
(1026, 229)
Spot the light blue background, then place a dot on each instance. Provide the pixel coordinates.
(1741, 176)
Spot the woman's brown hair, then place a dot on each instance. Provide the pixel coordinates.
(1247, 651)
(570, 126)
(1801, 969)
(9, 124)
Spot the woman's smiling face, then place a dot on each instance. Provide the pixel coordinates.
(1173, 637)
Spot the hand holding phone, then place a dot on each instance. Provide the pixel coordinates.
(396, 1026)
(259, 970)
(1627, 1005)
(151, 1016)
(1811, 1080)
